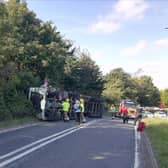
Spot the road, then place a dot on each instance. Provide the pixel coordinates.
(100, 143)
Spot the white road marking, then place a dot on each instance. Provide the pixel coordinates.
(49, 139)
(34, 143)
(136, 155)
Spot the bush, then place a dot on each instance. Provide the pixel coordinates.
(15, 106)
(4, 112)
(13, 95)
(19, 106)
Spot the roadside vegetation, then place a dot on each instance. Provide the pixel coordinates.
(32, 50)
(157, 129)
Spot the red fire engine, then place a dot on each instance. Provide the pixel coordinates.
(131, 108)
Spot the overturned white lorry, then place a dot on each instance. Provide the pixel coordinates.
(47, 103)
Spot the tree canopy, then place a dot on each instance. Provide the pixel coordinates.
(30, 51)
(120, 85)
(164, 96)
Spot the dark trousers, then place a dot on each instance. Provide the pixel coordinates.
(125, 118)
(78, 117)
(113, 114)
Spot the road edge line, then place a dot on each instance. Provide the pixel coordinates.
(136, 148)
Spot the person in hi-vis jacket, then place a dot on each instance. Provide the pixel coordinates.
(77, 109)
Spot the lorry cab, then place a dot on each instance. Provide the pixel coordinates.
(47, 103)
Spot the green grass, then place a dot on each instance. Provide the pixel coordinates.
(157, 129)
(17, 122)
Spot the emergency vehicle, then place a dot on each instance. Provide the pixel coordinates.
(131, 108)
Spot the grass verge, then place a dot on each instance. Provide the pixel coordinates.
(157, 129)
(17, 122)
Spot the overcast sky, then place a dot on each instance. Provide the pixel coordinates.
(129, 34)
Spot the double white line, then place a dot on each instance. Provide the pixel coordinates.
(27, 149)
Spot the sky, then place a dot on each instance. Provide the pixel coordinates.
(128, 34)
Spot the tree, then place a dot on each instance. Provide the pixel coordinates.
(35, 45)
(164, 96)
(30, 50)
(85, 76)
(147, 93)
(119, 85)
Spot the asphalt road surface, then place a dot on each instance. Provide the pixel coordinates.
(99, 143)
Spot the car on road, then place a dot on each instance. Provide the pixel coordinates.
(160, 114)
(147, 114)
